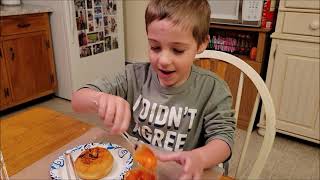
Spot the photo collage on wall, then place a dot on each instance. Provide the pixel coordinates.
(97, 26)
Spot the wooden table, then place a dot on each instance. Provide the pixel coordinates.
(33, 139)
(29, 135)
(40, 169)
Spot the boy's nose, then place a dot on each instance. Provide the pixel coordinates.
(165, 58)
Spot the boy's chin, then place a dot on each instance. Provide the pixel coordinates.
(164, 83)
(170, 83)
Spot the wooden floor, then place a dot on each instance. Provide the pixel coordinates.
(290, 159)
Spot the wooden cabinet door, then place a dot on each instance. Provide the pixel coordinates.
(28, 65)
(5, 93)
(44, 76)
(295, 87)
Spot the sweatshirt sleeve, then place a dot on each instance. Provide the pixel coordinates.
(116, 86)
(219, 120)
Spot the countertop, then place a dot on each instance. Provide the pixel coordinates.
(23, 9)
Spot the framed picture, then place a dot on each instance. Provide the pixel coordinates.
(90, 15)
(107, 43)
(92, 37)
(114, 43)
(85, 51)
(81, 20)
(97, 26)
(79, 4)
(89, 4)
(98, 48)
(97, 2)
(83, 39)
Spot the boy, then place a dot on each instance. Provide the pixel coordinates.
(174, 104)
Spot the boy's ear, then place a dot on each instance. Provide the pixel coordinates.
(203, 46)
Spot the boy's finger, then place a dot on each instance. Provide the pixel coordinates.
(170, 156)
(187, 165)
(185, 176)
(118, 118)
(110, 113)
(197, 176)
(126, 119)
(102, 106)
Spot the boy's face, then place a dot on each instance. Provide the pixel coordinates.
(171, 52)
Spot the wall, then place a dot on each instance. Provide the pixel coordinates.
(136, 43)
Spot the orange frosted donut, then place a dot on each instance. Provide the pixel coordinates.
(94, 163)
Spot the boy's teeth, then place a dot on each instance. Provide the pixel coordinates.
(166, 72)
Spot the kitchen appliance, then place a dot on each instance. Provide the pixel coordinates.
(10, 2)
(236, 12)
(88, 41)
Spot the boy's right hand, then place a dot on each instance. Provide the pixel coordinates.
(114, 111)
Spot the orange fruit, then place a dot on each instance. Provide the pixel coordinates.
(147, 164)
(139, 174)
(145, 157)
(253, 53)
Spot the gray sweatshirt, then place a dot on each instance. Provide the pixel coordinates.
(174, 118)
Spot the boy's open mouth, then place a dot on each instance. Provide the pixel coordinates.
(166, 71)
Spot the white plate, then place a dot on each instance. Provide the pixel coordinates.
(123, 161)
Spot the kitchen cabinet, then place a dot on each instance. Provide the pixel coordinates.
(27, 66)
(293, 70)
(231, 74)
(5, 95)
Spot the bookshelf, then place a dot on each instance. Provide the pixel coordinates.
(239, 41)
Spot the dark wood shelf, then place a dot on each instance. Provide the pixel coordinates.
(244, 57)
(231, 74)
(238, 28)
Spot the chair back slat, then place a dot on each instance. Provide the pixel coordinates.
(239, 95)
(249, 131)
(267, 103)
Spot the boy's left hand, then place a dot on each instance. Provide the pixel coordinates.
(191, 162)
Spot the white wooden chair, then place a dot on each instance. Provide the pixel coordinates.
(263, 92)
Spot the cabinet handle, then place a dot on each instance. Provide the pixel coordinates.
(0, 54)
(47, 44)
(275, 51)
(314, 25)
(51, 79)
(12, 54)
(6, 92)
(23, 25)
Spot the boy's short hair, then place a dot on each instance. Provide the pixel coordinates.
(194, 14)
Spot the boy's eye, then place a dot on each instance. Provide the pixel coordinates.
(155, 48)
(178, 51)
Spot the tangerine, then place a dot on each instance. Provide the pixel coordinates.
(139, 174)
(145, 157)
